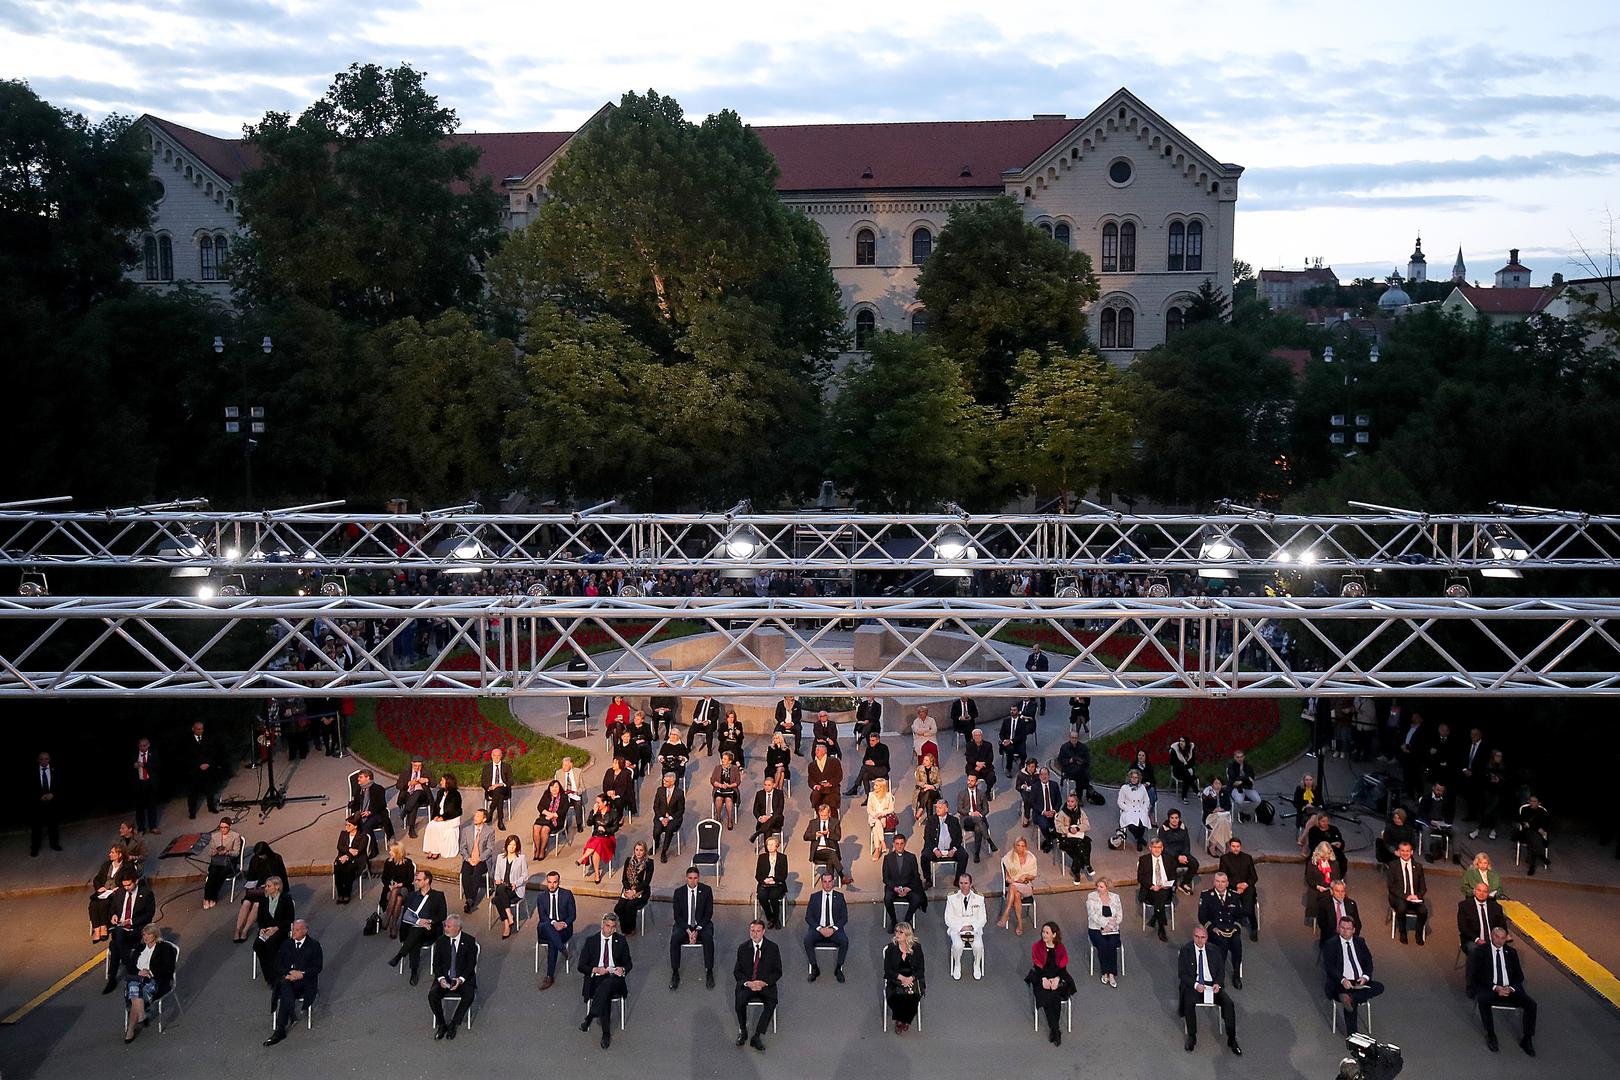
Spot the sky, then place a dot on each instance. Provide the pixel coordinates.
(1487, 126)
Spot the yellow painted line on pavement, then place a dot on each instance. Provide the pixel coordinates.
(1565, 951)
(58, 986)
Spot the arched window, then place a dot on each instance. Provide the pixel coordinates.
(865, 248)
(1060, 233)
(1127, 328)
(1174, 320)
(1178, 242)
(865, 327)
(922, 245)
(919, 321)
(1110, 248)
(165, 248)
(1108, 331)
(149, 257)
(209, 270)
(221, 245)
(1127, 248)
(1046, 227)
(1195, 245)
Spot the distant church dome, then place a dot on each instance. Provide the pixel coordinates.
(1393, 297)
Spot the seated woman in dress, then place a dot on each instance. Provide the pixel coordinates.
(103, 888)
(511, 878)
(770, 875)
(1018, 867)
(353, 856)
(553, 806)
(726, 780)
(1049, 977)
(263, 864)
(924, 732)
(149, 974)
(635, 888)
(603, 822)
(1321, 871)
(1481, 871)
(880, 816)
(398, 875)
(1103, 911)
(904, 982)
(224, 857)
(927, 788)
(442, 839)
(778, 759)
(615, 720)
(731, 736)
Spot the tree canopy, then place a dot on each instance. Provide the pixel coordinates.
(1069, 427)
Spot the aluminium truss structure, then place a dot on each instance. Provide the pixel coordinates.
(60, 647)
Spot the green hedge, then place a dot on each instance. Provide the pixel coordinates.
(543, 758)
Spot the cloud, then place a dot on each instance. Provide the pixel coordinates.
(1367, 184)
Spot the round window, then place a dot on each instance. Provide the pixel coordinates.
(1119, 173)
(156, 190)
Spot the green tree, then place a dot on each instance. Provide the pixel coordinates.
(1069, 426)
(366, 205)
(1209, 304)
(995, 286)
(904, 430)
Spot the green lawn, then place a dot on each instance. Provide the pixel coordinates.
(544, 756)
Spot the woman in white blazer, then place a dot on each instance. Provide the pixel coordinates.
(1135, 808)
(511, 877)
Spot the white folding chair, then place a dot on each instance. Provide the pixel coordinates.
(757, 1004)
(1410, 915)
(567, 963)
(1220, 1021)
(883, 995)
(1147, 911)
(157, 1003)
(1068, 1011)
(241, 865)
(1338, 1006)
(478, 954)
(428, 948)
(308, 1008)
(1034, 904)
(819, 947)
(1513, 1014)
(1092, 967)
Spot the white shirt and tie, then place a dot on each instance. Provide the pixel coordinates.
(827, 908)
(1499, 966)
(606, 961)
(1159, 877)
(1352, 967)
(44, 779)
(1484, 921)
(1203, 976)
(1406, 876)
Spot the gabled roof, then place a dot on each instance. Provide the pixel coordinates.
(1505, 301)
(1322, 274)
(227, 158)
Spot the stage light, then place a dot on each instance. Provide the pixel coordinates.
(1457, 589)
(1505, 546)
(33, 584)
(1158, 587)
(460, 552)
(235, 585)
(1219, 548)
(1068, 588)
(1353, 586)
(334, 585)
(632, 589)
(538, 589)
(205, 591)
(953, 543)
(742, 542)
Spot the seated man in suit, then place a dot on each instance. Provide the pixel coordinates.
(964, 714)
(825, 917)
(868, 720)
(554, 923)
(1407, 890)
(942, 841)
(455, 974)
(297, 977)
(979, 762)
(573, 783)
(668, 811)
(131, 908)
(1074, 763)
(823, 732)
(1220, 912)
(757, 971)
(1178, 849)
(1495, 977)
(370, 805)
(973, 811)
(706, 717)
(664, 707)
(825, 776)
(691, 923)
(1016, 728)
(1435, 813)
(1156, 886)
(1042, 801)
(496, 780)
(823, 833)
(1333, 906)
(273, 925)
(1200, 973)
(770, 807)
(902, 882)
(1477, 916)
(413, 790)
(1239, 868)
(1349, 967)
(965, 919)
(604, 960)
(874, 764)
(480, 843)
(420, 920)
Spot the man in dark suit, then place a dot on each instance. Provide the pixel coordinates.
(973, 810)
(903, 882)
(132, 907)
(413, 790)
(1442, 756)
(202, 775)
(825, 775)
(942, 842)
(824, 833)
(770, 807)
(1407, 890)
(1074, 763)
(980, 762)
(371, 806)
(1349, 966)
(1016, 728)
(297, 977)
(964, 716)
(789, 718)
(691, 923)
(874, 763)
(663, 707)
(496, 780)
(825, 917)
(1221, 913)
(1042, 800)
(479, 846)
(1495, 977)
(1200, 973)
(555, 912)
(706, 717)
(1477, 916)
(1238, 866)
(868, 720)
(420, 921)
(757, 971)
(1436, 812)
(1156, 885)
(145, 773)
(1037, 663)
(455, 974)
(824, 732)
(604, 960)
(1331, 907)
(1471, 773)
(668, 811)
(44, 806)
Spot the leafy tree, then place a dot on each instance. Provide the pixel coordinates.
(1209, 304)
(1069, 426)
(366, 205)
(995, 286)
(904, 429)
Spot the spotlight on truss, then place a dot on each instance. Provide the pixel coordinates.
(1068, 588)
(33, 584)
(1353, 586)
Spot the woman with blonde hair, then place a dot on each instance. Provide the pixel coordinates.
(1481, 871)
(1323, 869)
(927, 787)
(880, 815)
(903, 976)
(398, 875)
(1018, 869)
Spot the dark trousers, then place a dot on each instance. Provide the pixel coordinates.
(1013, 758)
(578, 804)
(286, 994)
(46, 822)
(202, 789)
(1159, 900)
(497, 799)
(704, 732)
(409, 806)
(1223, 1001)
(1250, 901)
(145, 806)
(664, 835)
(1357, 995)
(766, 997)
(600, 992)
(436, 996)
(1078, 849)
(1518, 999)
(812, 938)
(411, 940)
(473, 881)
(677, 942)
(1403, 907)
(770, 903)
(555, 940)
(1107, 946)
(1233, 948)
(979, 829)
(121, 942)
(928, 861)
(912, 900)
(217, 873)
(1184, 874)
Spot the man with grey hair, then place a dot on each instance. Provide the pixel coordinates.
(604, 960)
(455, 974)
(297, 977)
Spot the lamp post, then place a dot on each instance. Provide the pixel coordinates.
(246, 420)
(1350, 427)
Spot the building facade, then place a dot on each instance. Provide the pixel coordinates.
(1153, 210)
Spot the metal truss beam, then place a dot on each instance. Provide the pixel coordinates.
(59, 647)
(804, 542)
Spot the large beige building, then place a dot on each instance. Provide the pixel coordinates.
(1153, 209)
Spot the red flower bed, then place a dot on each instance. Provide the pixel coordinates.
(442, 729)
(1217, 726)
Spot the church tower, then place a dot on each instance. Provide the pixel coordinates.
(1459, 271)
(1417, 267)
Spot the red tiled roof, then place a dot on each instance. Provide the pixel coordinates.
(229, 158)
(1298, 359)
(1505, 301)
(1323, 274)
